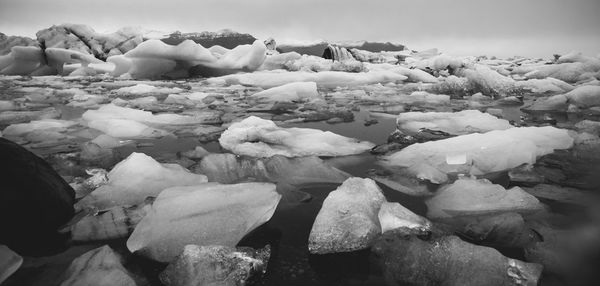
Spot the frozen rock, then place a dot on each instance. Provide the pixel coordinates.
(479, 154)
(9, 262)
(455, 123)
(229, 168)
(415, 260)
(101, 266)
(325, 79)
(348, 220)
(258, 137)
(114, 223)
(35, 201)
(469, 197)
(206, 214)
(216, 265)
(135, 178)
(296, 91)
(394, 215)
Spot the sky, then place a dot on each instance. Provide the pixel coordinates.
(533, 28)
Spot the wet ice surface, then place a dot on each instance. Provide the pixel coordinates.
(366, 112)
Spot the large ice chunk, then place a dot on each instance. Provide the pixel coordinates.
(154, 58)
(135, 178)
(479, 154)
(348, 219)
(206, 214)
(456, 123)
(394, 215)
(258, 137)
(478, 197)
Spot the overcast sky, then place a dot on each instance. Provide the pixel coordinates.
(461, 27)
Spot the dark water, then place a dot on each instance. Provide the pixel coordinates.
(288, 230)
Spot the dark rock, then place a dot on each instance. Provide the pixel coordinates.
(420, 260)
(34, 201)
(504, 230)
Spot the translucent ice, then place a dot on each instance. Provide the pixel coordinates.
(205, 214)
(477, 197)
(296, 91)
(484, 153)
(135, 178)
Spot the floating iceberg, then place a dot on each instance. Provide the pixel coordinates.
(455, 123)
(135, 178)
(469, 197)
(296, 91)
(348, 220)
(111, 111)
(258, 137)
(479, 154)
(206, 214)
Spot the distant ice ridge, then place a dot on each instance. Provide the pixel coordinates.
(154, 58)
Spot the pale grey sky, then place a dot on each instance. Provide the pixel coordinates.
(460, 27)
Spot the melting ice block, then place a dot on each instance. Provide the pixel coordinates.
(494, 151)
(394, 215)
(135, 178)
(348, 220)
(100, 266)
(456, 123)
(258, 137)
(477, 197)
(205, 214)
